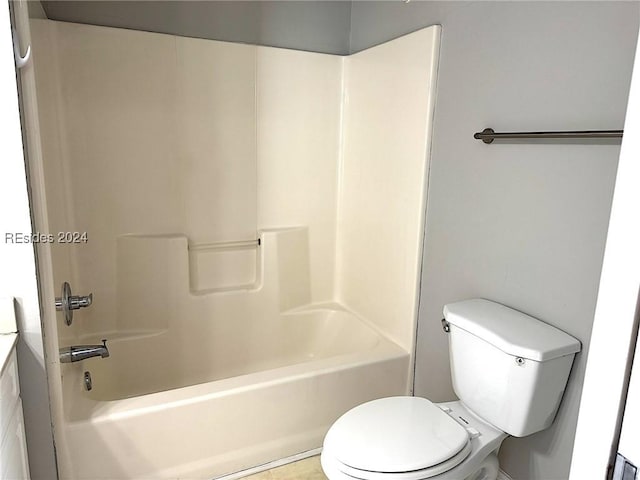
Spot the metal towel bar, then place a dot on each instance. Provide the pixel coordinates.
(488, 135)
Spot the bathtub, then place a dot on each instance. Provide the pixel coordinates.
(204, 410)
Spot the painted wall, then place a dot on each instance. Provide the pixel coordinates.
(315, 26)
(522, 224)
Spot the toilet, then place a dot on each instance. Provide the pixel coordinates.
(509, 371)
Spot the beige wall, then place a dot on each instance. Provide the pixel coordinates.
(172, 149)
(154, 134)
(299, 109)
(146, 133)
(387, 132)
(142, 164)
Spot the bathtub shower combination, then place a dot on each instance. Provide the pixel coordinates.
(253, 222)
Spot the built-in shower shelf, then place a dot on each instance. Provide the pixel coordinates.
(233, 288)
(120, 335)
(223, 266)
(194, 247)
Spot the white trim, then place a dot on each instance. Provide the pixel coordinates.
(613, 324)
(629, 445)
(503, 476)
(270, 465)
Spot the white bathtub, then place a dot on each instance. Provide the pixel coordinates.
(162, 408)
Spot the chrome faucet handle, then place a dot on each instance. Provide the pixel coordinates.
(67, 302)
(80, 301)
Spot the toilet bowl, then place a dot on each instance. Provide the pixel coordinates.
(509, 371)
(411, 438)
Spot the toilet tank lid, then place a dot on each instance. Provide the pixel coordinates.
(511, 331)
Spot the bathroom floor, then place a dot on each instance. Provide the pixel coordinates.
(307, 469)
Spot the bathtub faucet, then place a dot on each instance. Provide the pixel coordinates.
(75, 353)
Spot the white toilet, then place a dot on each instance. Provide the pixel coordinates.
(509, 371)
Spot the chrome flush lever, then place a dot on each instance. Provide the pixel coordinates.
(67, 303)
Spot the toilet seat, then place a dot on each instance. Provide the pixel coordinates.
(409, 437)
(349, 472)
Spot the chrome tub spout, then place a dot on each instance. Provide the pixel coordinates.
(75, 353)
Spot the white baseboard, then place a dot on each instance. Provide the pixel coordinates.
(503, 476)
(274, 464)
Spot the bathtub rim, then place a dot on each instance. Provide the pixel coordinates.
(84, 409)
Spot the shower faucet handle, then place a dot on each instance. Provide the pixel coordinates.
(80, 301)
(67, 302)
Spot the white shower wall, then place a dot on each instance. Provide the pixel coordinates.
(153, 134)
(299, 108)
(136, 130)
(389, 98)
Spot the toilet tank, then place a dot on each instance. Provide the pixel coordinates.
(508, 368)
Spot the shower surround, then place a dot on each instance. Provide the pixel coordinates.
(254, 222)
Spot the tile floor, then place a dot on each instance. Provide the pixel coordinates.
(307, 469)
